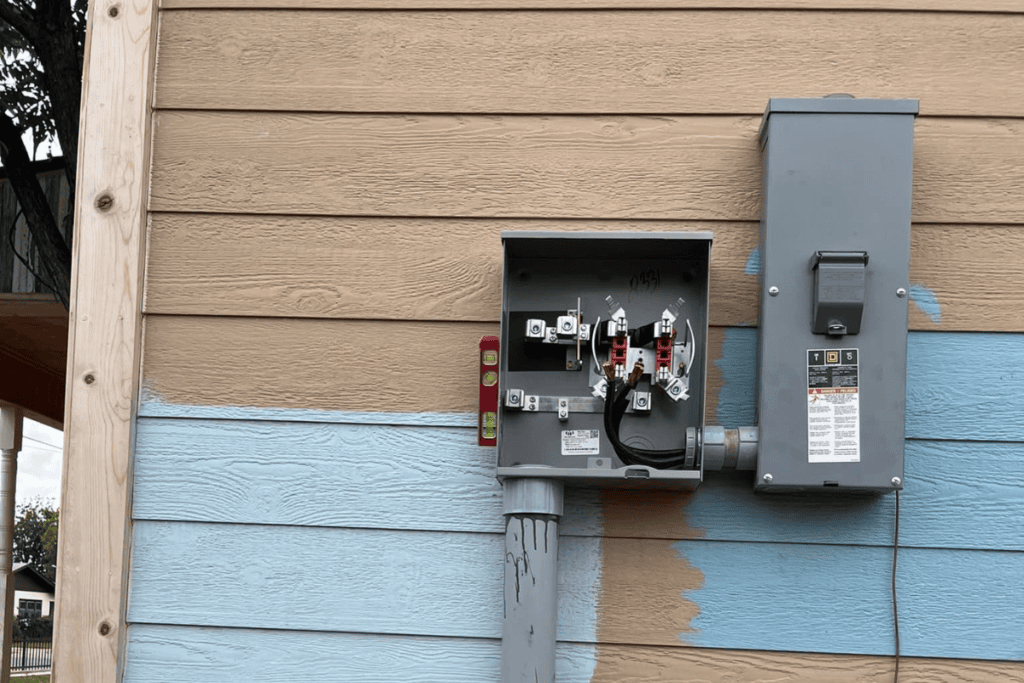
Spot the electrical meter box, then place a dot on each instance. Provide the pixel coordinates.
(603, 357)
(835, 251)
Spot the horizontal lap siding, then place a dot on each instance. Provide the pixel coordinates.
(664, 167)
(406, 268)
(326, 183)
(693, 592)
(954, 389)
(634, 62)
(170, 654)
(1016, 6)
(436, 478)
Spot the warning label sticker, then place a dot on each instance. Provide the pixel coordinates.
(833, 405)
(581, 442)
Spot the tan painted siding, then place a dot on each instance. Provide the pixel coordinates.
(326, 181)
(564, 62)
(385, 268)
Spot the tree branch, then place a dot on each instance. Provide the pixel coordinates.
(20, 20)
(53, 249)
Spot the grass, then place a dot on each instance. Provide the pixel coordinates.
(31, 679)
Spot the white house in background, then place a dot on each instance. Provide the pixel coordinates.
(33, 592)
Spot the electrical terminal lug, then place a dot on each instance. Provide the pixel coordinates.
(563, 409)
(567, 326)
(514, 399)
(676, 389)
(536, 329)
(641, 402)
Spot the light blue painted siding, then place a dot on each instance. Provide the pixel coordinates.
(315, 529)
(172, 654)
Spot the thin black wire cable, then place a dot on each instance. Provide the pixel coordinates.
(14, 250)
(895, 611)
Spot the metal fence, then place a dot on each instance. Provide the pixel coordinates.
(29, 654)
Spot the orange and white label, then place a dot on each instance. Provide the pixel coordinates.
(833, 405)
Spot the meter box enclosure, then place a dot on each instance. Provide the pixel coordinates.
(835, 248)
(577, 306)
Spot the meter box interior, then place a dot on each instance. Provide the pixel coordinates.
(603, 357)
(835, 240)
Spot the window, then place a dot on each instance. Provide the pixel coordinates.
(30, 608)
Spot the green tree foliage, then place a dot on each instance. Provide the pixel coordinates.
(35, 536)
(42, 44)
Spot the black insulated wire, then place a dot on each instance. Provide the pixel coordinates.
(616, 402)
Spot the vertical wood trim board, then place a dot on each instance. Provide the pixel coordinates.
(104, 342)
(975, 6)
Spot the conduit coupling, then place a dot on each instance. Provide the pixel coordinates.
(533, 508)
(730, 449)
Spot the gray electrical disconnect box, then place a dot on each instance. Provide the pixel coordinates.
(835, 241)
(586, 316)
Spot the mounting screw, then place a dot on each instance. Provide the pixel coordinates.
(901, 292)
(675, 390)
(767, 478)
(514, 398)
(535, 329)
(641, 401)
(773, 290)
(567, 325)
(896, 481)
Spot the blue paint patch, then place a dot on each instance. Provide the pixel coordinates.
(153, 405)
(736, 398)
(925, 299)
(836, 599)
(753, 266)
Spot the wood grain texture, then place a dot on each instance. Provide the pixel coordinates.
(324, 367)
(954, 391)
(368, 268)
(891, 5)
(169, 654)
(105, 336)
(449, 584)
(424, 478)
(653, 167)
(628, 664)
(580, 62)
(450, 269)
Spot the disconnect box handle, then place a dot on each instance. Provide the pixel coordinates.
(839, 283)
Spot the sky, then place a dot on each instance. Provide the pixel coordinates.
(39, 463)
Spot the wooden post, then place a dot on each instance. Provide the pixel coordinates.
(104, 341)
(10, 443)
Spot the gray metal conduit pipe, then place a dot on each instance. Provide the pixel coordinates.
(533, 508)
(729, 449)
